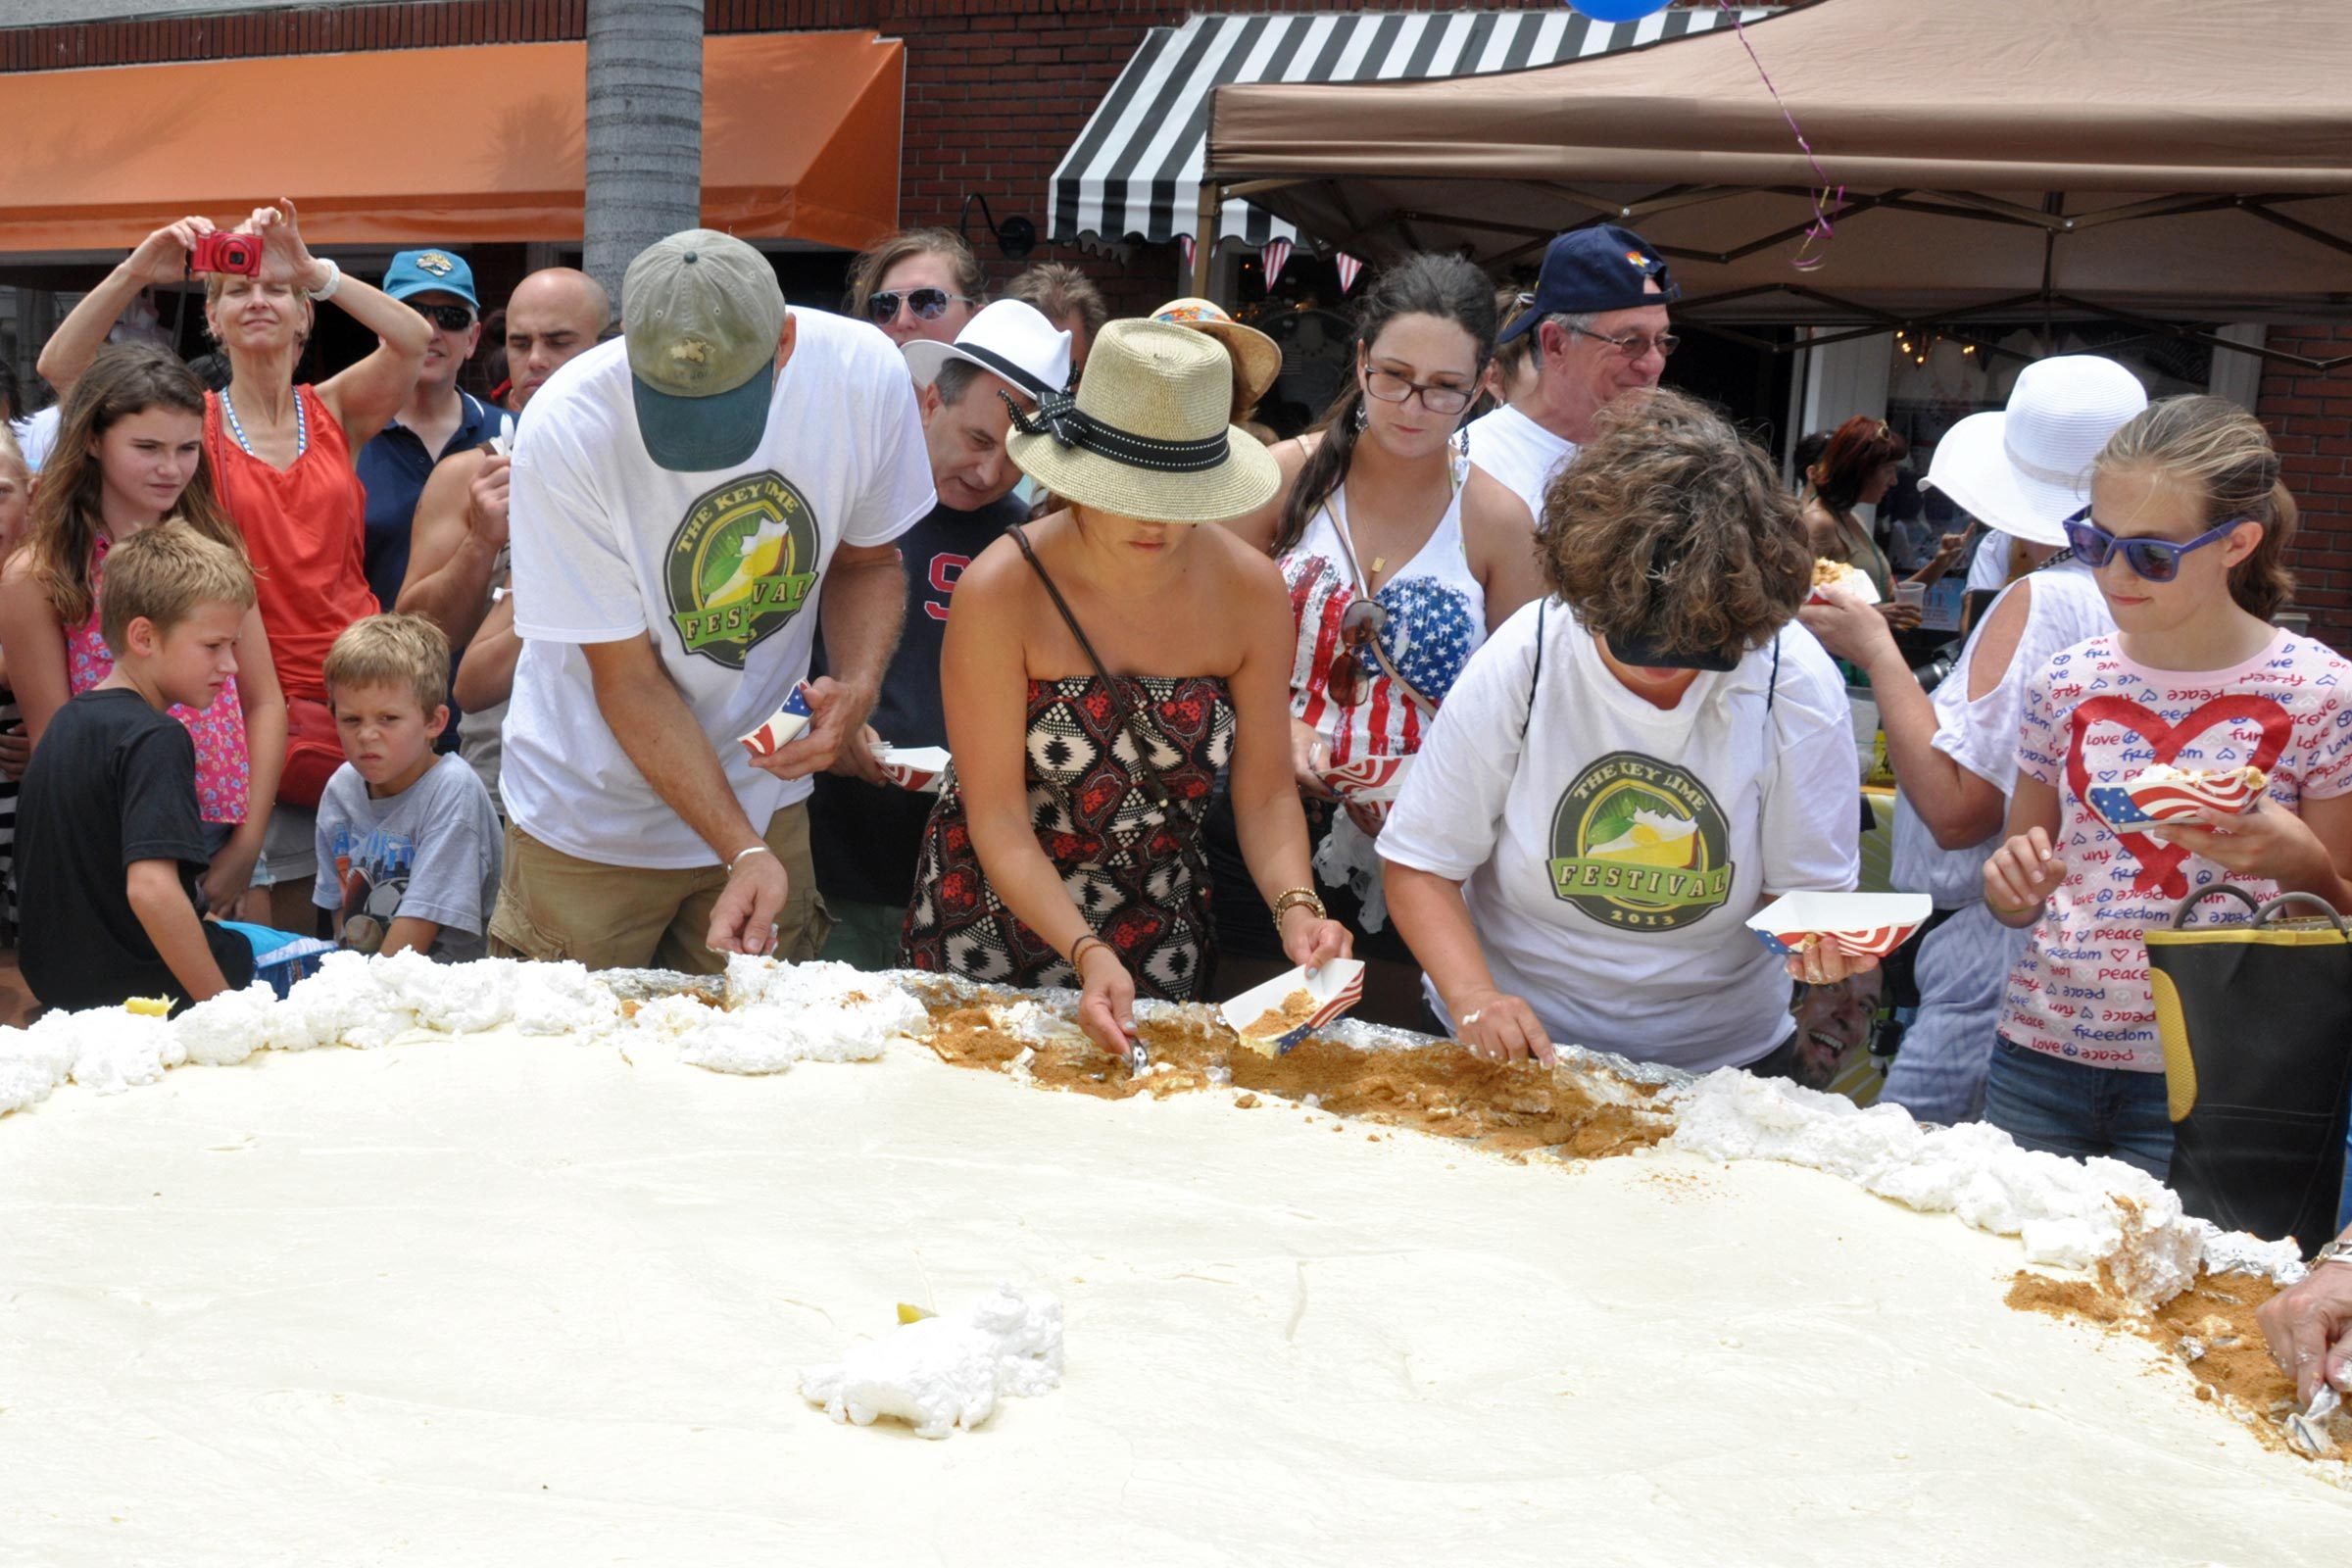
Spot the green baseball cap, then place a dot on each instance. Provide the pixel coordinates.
(702, 314)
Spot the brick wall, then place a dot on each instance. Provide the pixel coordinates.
(2309, 414)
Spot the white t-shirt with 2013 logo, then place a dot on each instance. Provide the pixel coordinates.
(723, 569)
(1611, 858)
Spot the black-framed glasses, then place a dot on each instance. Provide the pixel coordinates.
(928, 304)
(448, 317)
(2154, 560)
(1634, 345)
(1390, 387)
(1359, 623)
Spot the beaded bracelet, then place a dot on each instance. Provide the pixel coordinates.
(1078, 949)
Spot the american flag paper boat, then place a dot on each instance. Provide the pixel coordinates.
(1863, 924)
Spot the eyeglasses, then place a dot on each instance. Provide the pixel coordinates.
(928, 304)
(1390, 387)
(2155, 560)
(1634, 346)
(448, 317)
(1359, 623)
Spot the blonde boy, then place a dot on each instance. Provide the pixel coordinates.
(408, 841)
(109, 843)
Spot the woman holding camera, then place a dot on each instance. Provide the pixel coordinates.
(281, 456)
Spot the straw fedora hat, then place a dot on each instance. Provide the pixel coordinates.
(1147, 434)
(1256, 358)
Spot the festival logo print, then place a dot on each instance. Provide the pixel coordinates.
(739, 567)
(1640, 845)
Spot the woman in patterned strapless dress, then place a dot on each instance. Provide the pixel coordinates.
(1100, 665)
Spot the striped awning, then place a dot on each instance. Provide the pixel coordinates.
(1135, 172)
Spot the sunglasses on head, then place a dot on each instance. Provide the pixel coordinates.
(928, 304)
(2154, 560)
(448, 317)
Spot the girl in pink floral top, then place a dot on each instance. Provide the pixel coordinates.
(129, 454)
(2186, 530)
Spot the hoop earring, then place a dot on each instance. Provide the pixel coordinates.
(1363, 415)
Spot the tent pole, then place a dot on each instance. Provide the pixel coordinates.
(1205, 236)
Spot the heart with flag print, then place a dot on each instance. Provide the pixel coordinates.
(2161, 864)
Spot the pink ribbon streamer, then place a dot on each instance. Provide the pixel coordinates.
(1821, 228)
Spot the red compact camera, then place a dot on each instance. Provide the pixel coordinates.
(227, 253)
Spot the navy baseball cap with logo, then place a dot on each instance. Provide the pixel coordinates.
(430, 271)
(1588, 271)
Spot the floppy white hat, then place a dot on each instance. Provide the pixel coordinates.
(1147, 436)
(2027, 469)
(1009, 339)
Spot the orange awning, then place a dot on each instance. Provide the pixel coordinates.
(444, 146)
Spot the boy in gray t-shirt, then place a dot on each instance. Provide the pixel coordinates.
(408, 842)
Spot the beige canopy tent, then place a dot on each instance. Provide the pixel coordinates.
(2184, 160)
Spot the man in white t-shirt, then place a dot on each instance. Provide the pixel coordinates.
(1600, 319)
(680, 501)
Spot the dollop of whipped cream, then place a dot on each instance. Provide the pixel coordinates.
(940, 1373)
(2069, 1213)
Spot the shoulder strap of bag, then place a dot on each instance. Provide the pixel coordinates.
(1537, 679)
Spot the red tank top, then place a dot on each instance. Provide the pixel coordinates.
(306, 528)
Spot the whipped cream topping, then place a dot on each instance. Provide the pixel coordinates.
(940, 1373)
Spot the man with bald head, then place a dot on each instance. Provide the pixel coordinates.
(457, 552)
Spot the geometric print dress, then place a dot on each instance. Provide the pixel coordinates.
(1133, 867)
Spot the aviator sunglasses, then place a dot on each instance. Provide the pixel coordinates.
(1361, 622)
(928, 304)
(2154, 560)
(448, 317)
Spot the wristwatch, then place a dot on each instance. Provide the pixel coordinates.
(2338, 1251)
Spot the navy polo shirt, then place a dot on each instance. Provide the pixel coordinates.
(394, 468)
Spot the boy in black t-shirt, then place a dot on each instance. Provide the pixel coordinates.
(110, 847)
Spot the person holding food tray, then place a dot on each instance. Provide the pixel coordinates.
(1631, 768)
(2194, 695)
(1100, 665)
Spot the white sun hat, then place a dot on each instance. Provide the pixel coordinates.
(2027, 469)
(1009, 339)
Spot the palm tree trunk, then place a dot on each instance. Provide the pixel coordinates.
(645, 129)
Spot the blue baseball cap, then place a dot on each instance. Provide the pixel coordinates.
(431, 272)
(1588, 271)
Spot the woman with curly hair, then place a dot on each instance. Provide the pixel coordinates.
(1633, 766)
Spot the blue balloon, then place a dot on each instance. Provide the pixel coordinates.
(1617, 9)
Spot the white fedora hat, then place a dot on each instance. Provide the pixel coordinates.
(2027, 469)
(1009, 339)
(1148, 435)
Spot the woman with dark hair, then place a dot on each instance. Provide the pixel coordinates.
(919, 283)
(1399, 558)
(1858, 466)
(1629, 769)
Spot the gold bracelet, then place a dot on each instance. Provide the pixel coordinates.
(1291, 898)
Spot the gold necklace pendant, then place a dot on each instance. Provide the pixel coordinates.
(1379, 564)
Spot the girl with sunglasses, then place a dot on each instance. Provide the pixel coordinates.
(919, 283)
(1399, 559)
(2186, 532)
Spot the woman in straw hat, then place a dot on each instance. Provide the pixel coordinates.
(1101, 667)
(1399, 559)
